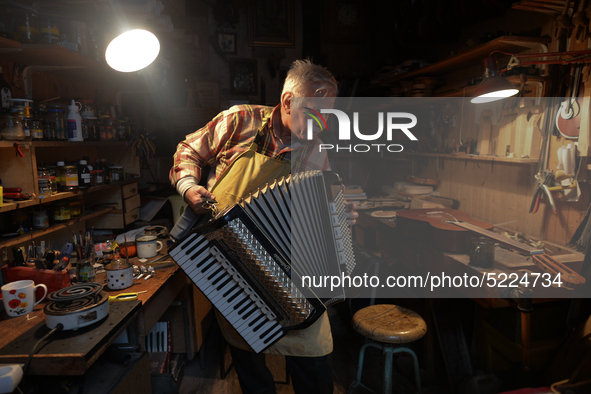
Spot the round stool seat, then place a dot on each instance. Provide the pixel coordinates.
(389, 324)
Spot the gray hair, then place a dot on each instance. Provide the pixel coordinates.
(302, 73)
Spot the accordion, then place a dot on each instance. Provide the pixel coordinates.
(252, 259)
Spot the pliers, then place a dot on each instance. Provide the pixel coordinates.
(542, 188)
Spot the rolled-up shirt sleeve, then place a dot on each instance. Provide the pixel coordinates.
(197, 150)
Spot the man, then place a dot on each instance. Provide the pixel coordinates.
(244, 148)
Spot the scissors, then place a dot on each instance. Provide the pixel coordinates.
(126, 296)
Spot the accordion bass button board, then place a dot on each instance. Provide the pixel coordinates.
(250, 261)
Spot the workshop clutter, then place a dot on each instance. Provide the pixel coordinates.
(72, 176)
(26, 120)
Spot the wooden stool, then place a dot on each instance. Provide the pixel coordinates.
(388, 325)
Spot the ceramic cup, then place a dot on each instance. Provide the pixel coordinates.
(147, 246)
(119, 275)
(19, 297)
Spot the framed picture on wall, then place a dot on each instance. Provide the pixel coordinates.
(227, 42)
(271, 23)
(243, 76)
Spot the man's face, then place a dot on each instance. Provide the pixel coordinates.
(303, 109)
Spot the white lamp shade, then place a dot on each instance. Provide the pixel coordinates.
(132, 50)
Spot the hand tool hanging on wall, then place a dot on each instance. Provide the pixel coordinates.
(568, 119)
(543, 175)
(545, 179)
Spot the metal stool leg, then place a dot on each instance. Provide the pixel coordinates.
(416, 365)
(357, 382)
(388, 355)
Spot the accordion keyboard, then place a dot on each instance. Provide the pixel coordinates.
(228, 292)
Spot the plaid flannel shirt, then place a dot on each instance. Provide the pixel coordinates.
(231, 133)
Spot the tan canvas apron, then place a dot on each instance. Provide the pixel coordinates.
(245, 174)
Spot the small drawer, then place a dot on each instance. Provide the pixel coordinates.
(132, 216)
(129, 190)
(132, 203)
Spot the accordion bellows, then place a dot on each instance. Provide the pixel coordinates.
(250, 259)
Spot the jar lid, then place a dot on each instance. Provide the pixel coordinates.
(83, 162)
(60, 163)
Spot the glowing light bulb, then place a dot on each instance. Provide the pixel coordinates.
(132, 50)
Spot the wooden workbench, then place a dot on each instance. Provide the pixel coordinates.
(73, 352)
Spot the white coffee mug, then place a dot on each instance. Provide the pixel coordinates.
(147, 246)
(19, 297)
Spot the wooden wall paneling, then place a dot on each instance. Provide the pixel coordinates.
(465, 187)
(485, 133)
(476, 186)
(505, 134)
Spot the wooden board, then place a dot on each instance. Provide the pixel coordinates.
(66, 352)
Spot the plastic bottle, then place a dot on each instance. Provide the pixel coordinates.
(74, 123)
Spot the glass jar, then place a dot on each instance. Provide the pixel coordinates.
(49, 31)
(12, 129)
(116, 173)
(59, 172)
(44, 182)
(83, 175)
(26, 122)
(40, 219)
(75, 210)
(121, 130)
(54, 179)
(61, 212)
(99, 170)
(69, 176)
(27, 28)
(36, 129)
(55, 117)
(93, 177)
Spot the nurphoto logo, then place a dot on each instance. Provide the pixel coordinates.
(388, 122)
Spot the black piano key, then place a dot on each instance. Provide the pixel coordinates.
(199, 251)
(266, 340)
(266, 332)
(188, 241)
(258, 327)
(238, 305)
(208, 266)
(250, 312)
(214, 274)
(227, 293)
(224, 284)
(232, 297)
